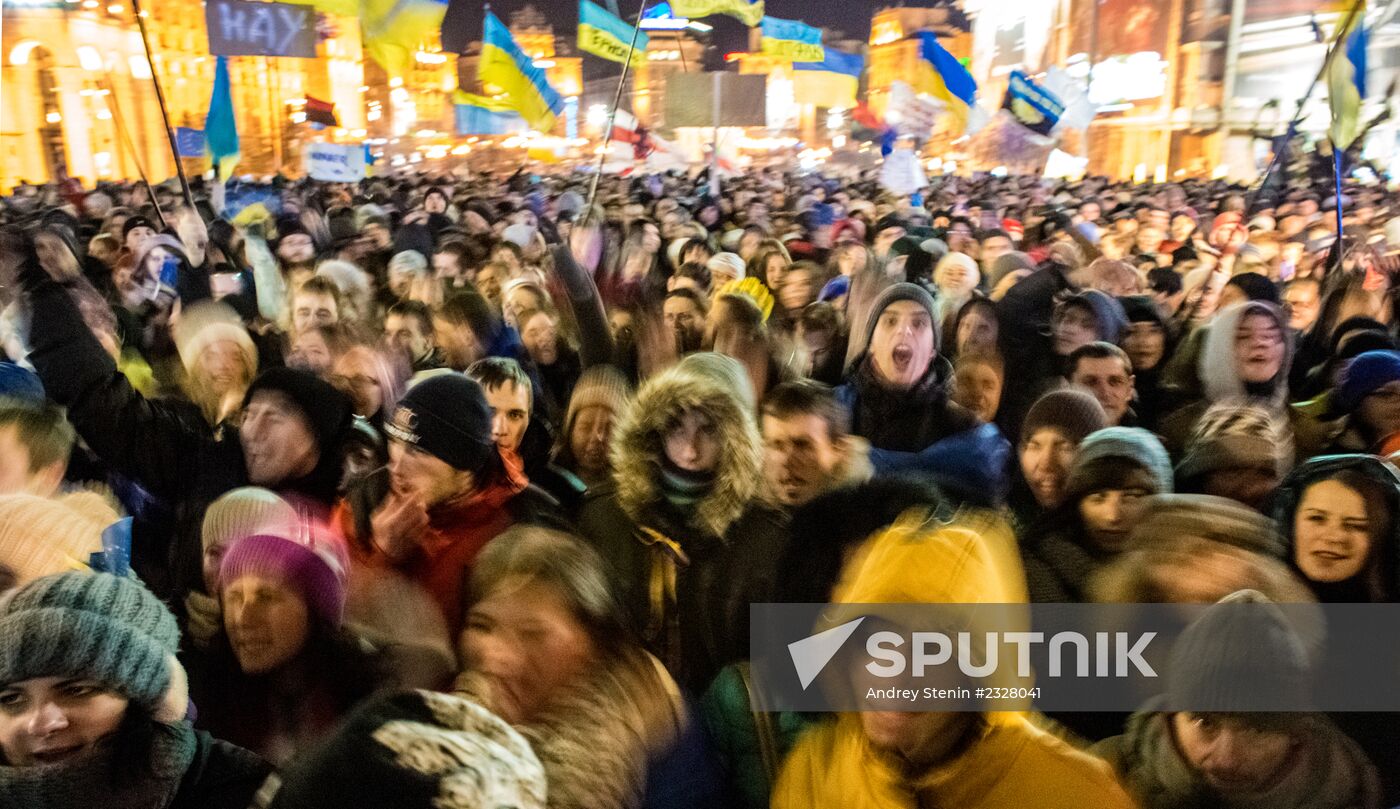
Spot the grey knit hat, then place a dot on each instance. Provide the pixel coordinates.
(1126, 443)
(95, 626)
(903, 291)
(1242, 655)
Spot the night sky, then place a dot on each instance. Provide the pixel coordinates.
(850, 16)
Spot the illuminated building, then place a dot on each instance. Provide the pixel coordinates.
(894, 46)
(1185, 87)
(76, 95)
(554, 55)
(668, 52)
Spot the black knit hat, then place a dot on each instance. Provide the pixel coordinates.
(447, 417)
(1072, 412)
(325, 408)
(135, 222)
(903, 291)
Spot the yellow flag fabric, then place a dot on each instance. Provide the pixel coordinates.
(750, 13)
(606, 36)
(394, 29)
(1346, 81)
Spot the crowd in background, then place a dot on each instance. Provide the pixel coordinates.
(457, 492)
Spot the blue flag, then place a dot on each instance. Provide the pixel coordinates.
(1032, 105)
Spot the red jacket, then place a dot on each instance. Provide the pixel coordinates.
(457, 531)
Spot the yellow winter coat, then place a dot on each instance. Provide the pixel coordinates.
(1009, 763)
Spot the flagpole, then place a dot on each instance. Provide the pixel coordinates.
(1337, 155)
(1302, 102)
(160, 99)
(131, 147)
(617, 99)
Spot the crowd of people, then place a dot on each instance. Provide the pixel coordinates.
(457, 492)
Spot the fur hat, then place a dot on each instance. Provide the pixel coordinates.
(638, 455)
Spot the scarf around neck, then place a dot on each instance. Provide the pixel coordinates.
(684, 489)
(90, 779)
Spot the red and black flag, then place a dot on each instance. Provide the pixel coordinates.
(320, 112)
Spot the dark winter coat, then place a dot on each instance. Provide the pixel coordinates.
(153, 443)
(721, 552)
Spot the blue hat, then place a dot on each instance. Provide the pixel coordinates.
(1364, 376)
(20, 384)
(835, 288)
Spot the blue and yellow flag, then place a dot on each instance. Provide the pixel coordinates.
(942, 76)
(602, 34)
(1346, 81)
(220, 126)
(1033, 107)
(833, 82)
(394, 29)
(525, 86)
(792, 40)
(480, 115)
(749, 13)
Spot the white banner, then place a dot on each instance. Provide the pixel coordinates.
(335, 162)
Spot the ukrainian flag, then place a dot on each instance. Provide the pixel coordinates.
(504, 65)
(479, 115)
(394, 29)
(831, 82)
(749, 13)
(792, 40)
(602, 34)
(1346, 81)
(942, 76)
(220, 124)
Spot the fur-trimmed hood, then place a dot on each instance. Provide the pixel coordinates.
(639, 447)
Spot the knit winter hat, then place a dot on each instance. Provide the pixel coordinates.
(1007, 263)
(1364, 376)
(903, 291)
(244, 512)
(20, 384)
(519, 235)
(1142, 309)
(1236, 435)
(134, 222)
(415, 750)
(1071, 412)
(599, 386)
(93, 626)
(410, 261)
(310, 559)
(39, 537)
(1131, 444)
(325, 408)
(1240, 656)
(1108, 313)
(727, 261)
(1169, 517)
(205, 323)
(446, 416)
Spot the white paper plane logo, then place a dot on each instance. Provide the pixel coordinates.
(811, 654)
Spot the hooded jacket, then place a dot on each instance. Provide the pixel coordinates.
(1217, 377)
(1330, 771)
(1006, 761)
(1284, 507)
(686, 572)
